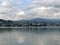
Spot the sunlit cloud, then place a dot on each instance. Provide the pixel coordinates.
(21, 13)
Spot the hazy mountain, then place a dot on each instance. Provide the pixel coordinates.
(32, 20)
(45, 20)
(40, 20)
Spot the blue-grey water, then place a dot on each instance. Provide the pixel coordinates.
(32, 36)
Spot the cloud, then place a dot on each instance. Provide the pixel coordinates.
(15, 10)
(49, 9)
(45, 12)
(10, 11)
(4, 3)
(46, 2)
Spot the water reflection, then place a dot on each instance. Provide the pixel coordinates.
(42, 36)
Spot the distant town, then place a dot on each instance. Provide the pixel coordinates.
(9, 23)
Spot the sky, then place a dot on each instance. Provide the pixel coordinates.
(29, 9)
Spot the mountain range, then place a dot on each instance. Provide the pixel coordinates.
(32, 22)
(41, 20)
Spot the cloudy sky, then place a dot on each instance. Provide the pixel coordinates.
(29, 9)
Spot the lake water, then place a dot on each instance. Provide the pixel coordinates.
(30, 36)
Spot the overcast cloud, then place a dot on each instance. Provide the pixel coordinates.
(29, 9)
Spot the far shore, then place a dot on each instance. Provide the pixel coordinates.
(35, 27)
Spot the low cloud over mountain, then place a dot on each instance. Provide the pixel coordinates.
(29, 9)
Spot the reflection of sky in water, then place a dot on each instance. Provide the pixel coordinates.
(30, 37)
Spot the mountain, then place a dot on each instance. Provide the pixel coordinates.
(32, 22)
(40, 20)
(45, 20)
(6, 22)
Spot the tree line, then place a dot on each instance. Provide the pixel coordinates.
(9, 23)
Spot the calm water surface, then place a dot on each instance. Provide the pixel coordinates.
(32, 36)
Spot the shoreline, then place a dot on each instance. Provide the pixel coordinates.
(34, 27)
